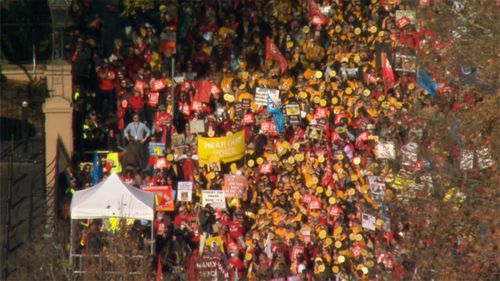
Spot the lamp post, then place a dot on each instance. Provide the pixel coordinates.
(58, 13)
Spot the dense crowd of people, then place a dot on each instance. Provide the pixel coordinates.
(324, 158)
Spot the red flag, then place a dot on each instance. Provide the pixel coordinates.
(402, 22)
(316, 17)
(203, 89)
(273, 53)
(159, 271)
(387, 72)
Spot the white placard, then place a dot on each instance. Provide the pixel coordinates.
(409, 153)
(184, 191)
(466, 160)
(386, 150)
(377, 185)
(484, 159)
(215, 198)
(262, 93)
(197, 126)
(368, 221)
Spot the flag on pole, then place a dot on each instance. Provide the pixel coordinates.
(425, 81)
(316, 17)
(159, 270)
(273, 53)
(96, 169)
(387, 72)
(267, 249)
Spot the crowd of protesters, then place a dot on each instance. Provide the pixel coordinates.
(301, 215)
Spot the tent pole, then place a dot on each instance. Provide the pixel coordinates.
(71, 244)
(152, 239)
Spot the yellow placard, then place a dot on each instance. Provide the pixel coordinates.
(227, 149)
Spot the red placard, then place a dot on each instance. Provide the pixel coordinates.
(248, 119)
(234, 185)
(320, 113)
(163, 197)
(334, 211)
(402, 22)
(158, 85)
(265, 168)
(268, 128)
(153, 99)
(315, 204)
(296, 251)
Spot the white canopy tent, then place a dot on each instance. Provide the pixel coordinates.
(112, 198)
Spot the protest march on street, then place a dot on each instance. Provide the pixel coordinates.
(277, 136)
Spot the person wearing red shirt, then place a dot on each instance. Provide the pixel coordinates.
(234, 263)
(163, 126)
(106, 85)
(188, 165)
(136, 103)
(181, 217)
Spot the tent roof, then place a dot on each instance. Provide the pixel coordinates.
(112, 198)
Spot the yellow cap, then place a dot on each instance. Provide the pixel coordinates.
(319, 189)
(322, 234)
(335, 100)
(348, 91)
(341, 259)
(332, 73)
(248, 256)
(357, 161)
(366, 92)
(211, 133)
(211, 175)
(328, 242)
(316, 99)
(321, 159)
(305, 29)
(250, 163)
(299, 157)
(302, 95)
(351, 192)
(328, 192)
(332, 200)
(318, 74)
(338, 244)
(335, 269)
(357, 31)
(260, 160)
(228, 98)
(372, 29)
(411, 86)
(338, 28)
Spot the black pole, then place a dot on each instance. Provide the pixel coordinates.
(7, 213)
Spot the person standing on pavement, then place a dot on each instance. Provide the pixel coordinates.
(136, 134)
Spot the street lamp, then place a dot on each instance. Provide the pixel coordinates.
(58, 13)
